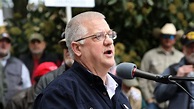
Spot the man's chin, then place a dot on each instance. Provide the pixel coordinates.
(3, 54)
(36, 52)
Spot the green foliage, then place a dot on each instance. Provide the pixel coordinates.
(133, 20)
(50, 22)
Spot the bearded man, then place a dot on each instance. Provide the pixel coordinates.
(178, 98)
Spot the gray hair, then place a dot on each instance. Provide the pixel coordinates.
(76, 28)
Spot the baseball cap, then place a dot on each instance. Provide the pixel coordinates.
(36, 36)
(5, 36)
(188, 37)
(44, 68)
(62, 42)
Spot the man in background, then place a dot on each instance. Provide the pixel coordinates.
(67, 62)
(178, 98)
(37, 54)
(157, 60)
(131, 90)
(25, 98)
(14, 76)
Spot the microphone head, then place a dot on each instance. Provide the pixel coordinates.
(125, 70)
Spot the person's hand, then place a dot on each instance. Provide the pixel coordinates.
(135, 93)
(135, 98)
(184, 70)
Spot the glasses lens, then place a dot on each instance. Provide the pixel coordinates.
(102, 35)
(168, 37)
(112, 34)
(99, 36)
(35, 41)
(5, 40)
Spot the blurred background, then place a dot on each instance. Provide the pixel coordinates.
(137, 23)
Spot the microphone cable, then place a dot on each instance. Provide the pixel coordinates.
(173, 81)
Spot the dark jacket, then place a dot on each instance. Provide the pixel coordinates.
(79, 89)
(46, 79)
(178, 99)
(46, 57)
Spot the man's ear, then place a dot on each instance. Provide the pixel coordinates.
(76, 48)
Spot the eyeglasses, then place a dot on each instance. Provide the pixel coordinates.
(35, 41)
(165, 36)
(5, 40)
(101, 36)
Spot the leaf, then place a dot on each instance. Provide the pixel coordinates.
(139, 19)
(111, 2)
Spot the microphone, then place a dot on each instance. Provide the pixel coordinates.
(129, 71)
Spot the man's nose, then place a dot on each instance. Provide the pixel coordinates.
(108, 40)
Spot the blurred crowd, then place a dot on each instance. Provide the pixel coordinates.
(19, 75)
(23, 78)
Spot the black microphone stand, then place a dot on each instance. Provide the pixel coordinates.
(181, 78)
(174, 81)
(168, 79)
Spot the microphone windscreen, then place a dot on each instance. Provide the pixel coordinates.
(125, 70)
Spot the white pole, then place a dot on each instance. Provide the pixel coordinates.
(1, 17)
(68, 13)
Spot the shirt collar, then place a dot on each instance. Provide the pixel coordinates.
(4, 59)
(161, 50)
(112, 82)
(111, 85)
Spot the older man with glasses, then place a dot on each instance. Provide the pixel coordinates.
(87, 84)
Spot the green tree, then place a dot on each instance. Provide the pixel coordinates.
(133, 20)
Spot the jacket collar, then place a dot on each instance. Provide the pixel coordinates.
(89, 77)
